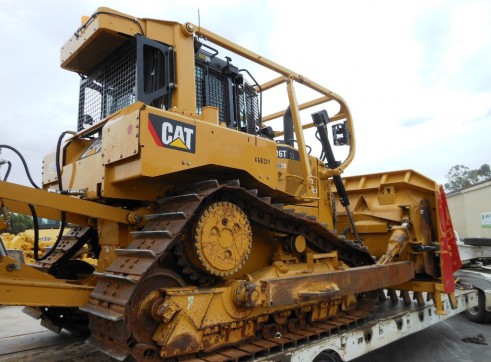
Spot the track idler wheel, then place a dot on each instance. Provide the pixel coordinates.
(222, 239)
(142, 310)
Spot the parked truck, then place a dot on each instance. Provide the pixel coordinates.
(217, 234)
(475, 254)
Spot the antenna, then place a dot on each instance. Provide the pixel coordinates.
(199, 21)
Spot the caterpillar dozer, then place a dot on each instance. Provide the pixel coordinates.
(217, 234)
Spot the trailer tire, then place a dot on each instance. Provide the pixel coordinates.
(327, 356)
(477, 241)
(479, 314)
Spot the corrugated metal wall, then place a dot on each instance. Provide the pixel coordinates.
(466, 207)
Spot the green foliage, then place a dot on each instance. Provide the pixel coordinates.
(460, 176)
(19, 223)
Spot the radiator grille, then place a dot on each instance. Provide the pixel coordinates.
(238, 102)
(249, 109)
(212, 90)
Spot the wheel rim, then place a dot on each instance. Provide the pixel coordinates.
(473, 311)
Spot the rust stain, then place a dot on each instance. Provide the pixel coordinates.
(182, 343)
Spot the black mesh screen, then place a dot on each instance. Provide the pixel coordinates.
(218, 93)
(212, 90)
(108, 89)
(237, 101)
(249, 109)
(200, 88)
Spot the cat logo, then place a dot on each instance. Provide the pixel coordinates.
(172, 134)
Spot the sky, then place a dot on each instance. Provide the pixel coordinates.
(416, 75)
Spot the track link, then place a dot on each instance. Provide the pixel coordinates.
(119, 285)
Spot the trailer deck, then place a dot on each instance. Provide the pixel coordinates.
(387, 324)
(22, 338)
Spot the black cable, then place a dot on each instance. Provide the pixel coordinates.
(293, 141)
(58, 239)
(36, 235)
(31, 207)
(322, 156)
(60, 188)
(35, 226)
(9, 167)
(24, 163)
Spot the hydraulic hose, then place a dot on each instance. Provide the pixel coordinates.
(9, 167)
(26, 168)
(36, 235)
(63, 214)
(31, 207)
(321, 119)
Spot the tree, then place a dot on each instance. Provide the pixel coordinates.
(460, 176)
(19, 223)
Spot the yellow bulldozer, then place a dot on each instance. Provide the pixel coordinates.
(47, 231)
(216, 230)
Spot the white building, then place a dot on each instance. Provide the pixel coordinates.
(470, 209)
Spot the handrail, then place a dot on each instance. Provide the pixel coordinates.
(302, 106)
(288, 76)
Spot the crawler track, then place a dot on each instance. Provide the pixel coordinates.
(282, 341)
(119, 329)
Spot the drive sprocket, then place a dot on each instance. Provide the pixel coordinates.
(222, 239)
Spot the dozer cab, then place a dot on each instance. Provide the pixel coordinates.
(215, 229)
